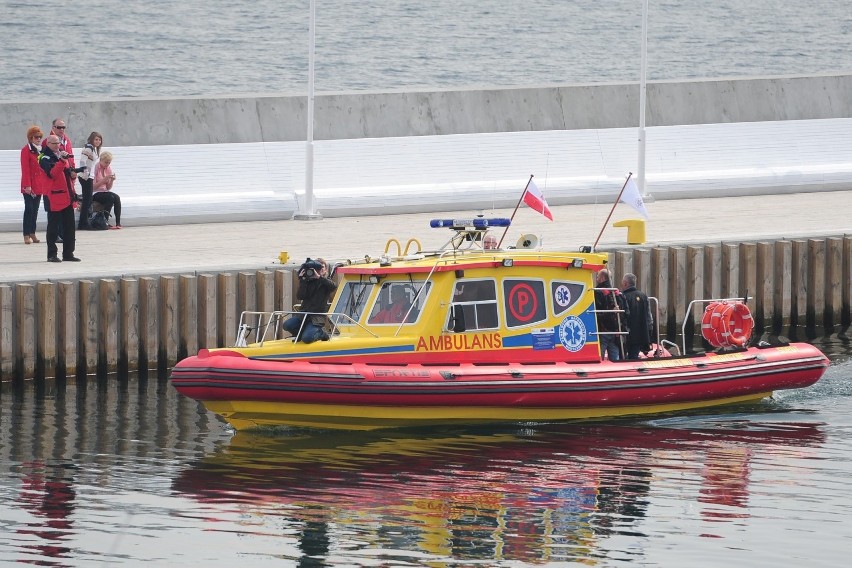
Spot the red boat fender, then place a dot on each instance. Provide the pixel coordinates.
(727, 324)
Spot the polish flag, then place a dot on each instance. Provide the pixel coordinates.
(535, 200)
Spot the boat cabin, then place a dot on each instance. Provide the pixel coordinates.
(469, 302)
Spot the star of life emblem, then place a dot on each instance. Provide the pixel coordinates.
(572, 333)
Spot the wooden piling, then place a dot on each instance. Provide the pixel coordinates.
(764, 278)
(816, 283)
(227, 316)
(7, 337)
(128, 339)
(108, 326)
(87, 329)
(799, 283)
(167, 345)
(148, 322)
(46, 331)
(712, 272)
(188, 316)
(25, 338)
(68, 326)
(207, 311)
(833, 281)
(846, 280)
(782, 285)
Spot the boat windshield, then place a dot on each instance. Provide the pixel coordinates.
(398, 301)
(353, 298)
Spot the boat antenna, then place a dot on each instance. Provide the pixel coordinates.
(516, 210)
(608, 217)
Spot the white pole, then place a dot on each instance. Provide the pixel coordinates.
(310, 209)
(642, 93)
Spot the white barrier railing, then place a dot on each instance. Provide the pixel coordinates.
(370, 176)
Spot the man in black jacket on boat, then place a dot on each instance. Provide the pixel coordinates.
(315, 290)
(611, 315)
(640, 320)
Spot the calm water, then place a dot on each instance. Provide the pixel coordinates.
(139, 48)
(126, 472)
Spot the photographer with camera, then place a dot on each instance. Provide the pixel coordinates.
(315, 290)
(65, 150)
(60, 194)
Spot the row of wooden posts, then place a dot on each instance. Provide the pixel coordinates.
(70, 328)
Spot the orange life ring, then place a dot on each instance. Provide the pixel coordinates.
(727, 324)
(710, 323)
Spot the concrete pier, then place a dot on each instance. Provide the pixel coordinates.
(147, 296)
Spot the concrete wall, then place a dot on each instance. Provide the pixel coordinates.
(155, 122)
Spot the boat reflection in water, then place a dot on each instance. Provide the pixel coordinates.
(544, 493)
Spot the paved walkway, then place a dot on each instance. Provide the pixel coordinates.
(251, 245)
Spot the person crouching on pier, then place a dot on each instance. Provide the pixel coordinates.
(59, 191)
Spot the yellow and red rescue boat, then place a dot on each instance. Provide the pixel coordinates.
(483, 334)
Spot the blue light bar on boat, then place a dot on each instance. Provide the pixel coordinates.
(478, 223)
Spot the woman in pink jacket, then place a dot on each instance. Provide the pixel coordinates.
(31, 182)
(103, 193)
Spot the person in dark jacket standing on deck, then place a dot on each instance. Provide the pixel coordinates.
(611, 321)
(640, 319)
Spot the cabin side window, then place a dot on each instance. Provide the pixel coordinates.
(474, 306)
(353, 297)
(564, 295)
(524, 302)
(399, 300)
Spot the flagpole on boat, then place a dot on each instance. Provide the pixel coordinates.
(506, 230)
(608, 217)
(643, 88)
(309, 211)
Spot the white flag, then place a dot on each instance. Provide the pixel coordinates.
(631, 197)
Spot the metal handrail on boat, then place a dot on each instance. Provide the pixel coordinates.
(615, 311)
(269, 324)
(686, 316)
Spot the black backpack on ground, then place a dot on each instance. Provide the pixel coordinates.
(98, 221)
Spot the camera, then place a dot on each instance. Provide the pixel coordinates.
(79, 170)
(310, 268)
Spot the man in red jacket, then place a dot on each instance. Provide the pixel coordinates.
(58, 190)
(57, 128)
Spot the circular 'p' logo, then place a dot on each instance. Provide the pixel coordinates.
(523, 302)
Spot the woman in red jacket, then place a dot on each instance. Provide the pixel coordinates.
(30, 182)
